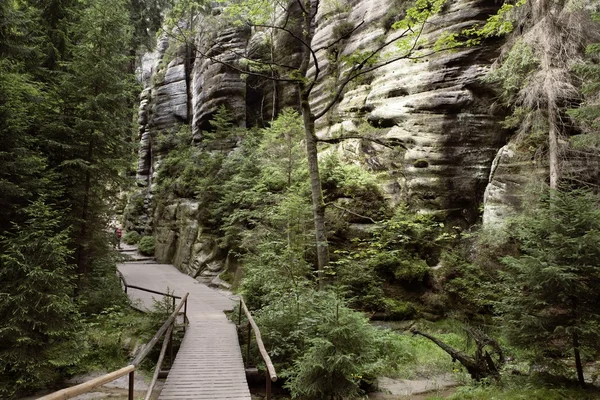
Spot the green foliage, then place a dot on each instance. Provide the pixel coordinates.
(65, 91)
(588, 113)
(22, 164)
(420, 12)
(394, 14)
(469, 280)
(422, 358)
(406, 244)
(356, 188)
(189, 171)
(249, 11)
(342, 29)
(323, 348)
(39, 317)
(110, 335)
(551, 285)
(398, 310)
(146, 245)
(400, 251)
(519, 388)
(498, 24)
(512, 75)
(131, 237)
(101, 288)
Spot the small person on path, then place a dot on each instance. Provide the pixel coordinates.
(118, 236)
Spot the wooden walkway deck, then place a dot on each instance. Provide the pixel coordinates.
(209, 363)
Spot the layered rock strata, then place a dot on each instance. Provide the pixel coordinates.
(435, 114)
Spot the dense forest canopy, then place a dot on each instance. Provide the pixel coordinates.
(299, 219)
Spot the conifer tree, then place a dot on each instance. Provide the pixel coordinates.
(552, 305)
(38, 333)
(95, 93)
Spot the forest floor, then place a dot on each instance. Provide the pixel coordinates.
(415, 389)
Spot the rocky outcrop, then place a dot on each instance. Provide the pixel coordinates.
(215, 84)
(513, 175)
(180, 240)
(435, 114)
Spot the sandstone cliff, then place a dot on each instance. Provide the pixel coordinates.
(436, 112)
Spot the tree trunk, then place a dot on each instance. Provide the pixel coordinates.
(316, 191)
(578, 364)
(553, 144)
(81, 256)
(188, 64)
(479, 367)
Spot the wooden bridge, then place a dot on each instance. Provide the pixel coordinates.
(209, 363)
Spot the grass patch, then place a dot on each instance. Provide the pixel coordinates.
(519, 389)
(424, 359)
(111, 336)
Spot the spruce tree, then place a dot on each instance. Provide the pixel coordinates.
(38, 334)
(95, 93)
(552, 305)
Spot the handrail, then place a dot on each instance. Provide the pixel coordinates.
(89, 385)
(161, 357)
(142, 354)
(272, 375)
(126, 286)
(85, 387)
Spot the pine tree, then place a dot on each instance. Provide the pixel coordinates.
(39, 317)
(552, 305)
(95, 93)
(21, 175)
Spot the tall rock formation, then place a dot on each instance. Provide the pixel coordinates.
(436, 114)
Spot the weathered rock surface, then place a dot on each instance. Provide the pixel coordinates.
(438, 110)
(513, 173)
(436, 113)
(181, 240)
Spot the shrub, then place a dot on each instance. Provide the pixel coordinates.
(324, 348)
(399, 310)
(146, 245)
(131, 237)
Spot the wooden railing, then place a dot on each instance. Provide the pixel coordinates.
(271, 374)
(166, 329)
(127, 286)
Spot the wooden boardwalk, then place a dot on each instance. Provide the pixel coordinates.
(209, 363)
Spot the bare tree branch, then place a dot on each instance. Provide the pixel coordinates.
(245, 71)
(345, 36)
(262, 62)
(389, 143)
(357, 70)
(351, 212)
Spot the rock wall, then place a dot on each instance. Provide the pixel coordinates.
(436, 114)
(438, 110)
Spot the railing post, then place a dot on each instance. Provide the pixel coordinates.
(268, 386)
(184, 314)
(248, 345)
(240, 313)
(171, 347)
(131, 383)
(173, 304)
